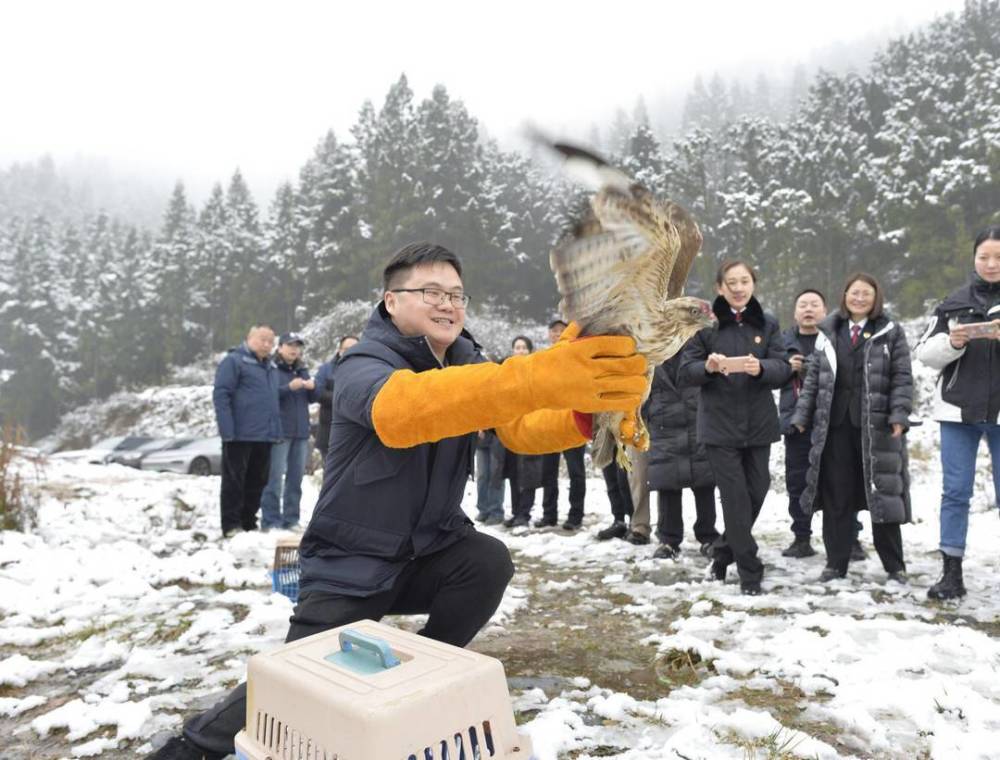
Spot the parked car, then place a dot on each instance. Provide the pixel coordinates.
(202, 456)
(132, 457)
(102, 451)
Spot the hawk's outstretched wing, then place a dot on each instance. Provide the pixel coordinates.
(620, 270)
(623, 238)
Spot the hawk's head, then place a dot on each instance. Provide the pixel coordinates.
(686, 316)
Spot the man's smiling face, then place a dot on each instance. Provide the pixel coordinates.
(441, 323)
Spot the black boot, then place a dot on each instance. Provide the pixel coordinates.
(800, 548)
(617, 529)
(950, 586)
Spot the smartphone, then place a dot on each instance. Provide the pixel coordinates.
(981, 329)
(732, 364)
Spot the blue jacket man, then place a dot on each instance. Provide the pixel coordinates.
(296, 390)
(245, 395)
(388, 535)
(246, 410)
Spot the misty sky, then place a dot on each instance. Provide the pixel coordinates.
(194, 89)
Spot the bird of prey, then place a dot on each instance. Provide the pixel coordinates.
(620, 270)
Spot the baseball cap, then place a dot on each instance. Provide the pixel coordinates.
(291, 337)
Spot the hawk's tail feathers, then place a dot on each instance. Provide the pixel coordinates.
(604, 447)
(581, 165)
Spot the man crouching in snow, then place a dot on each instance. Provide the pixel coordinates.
(388, 535)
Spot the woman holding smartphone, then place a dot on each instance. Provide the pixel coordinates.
(963, 342)
(857, 395)
(737, 363)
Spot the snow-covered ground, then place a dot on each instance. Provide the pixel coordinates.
(124, 610)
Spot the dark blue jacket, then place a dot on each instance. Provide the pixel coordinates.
(246, 397)
(294, 404)
(380, 507)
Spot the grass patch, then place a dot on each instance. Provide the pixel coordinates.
(682, 667)
(785, 704)
(777, 746)
(167, 633)
(602, 751)
(76, 637)
(563, 634)
(989, 627)
(239, 611)
(17, 508)
(767, 612)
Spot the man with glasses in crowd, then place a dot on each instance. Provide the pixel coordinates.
(388, 534)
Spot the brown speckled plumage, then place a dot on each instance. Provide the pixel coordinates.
(621, 270)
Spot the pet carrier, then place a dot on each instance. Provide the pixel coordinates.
(371, 692)
(285, 572)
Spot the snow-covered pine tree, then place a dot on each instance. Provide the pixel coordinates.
(250, 278)
(173, 255)
(387, 144)
(286, 282)
(33, 325)
(212, 271)
(327, 224)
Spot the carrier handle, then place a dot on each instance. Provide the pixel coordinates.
(350, 637)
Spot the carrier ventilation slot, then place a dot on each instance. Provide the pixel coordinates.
(286, 743)
(464, 746)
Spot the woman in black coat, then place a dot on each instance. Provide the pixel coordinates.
(737, 364)
(858, 394)
(677, 461)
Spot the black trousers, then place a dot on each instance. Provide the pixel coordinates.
(743, 478)
(577, 484)
(842, 490)
(460, 586)
(619, 494)
(670, 520)
(521, 499)
(245, 467)
(797, 447)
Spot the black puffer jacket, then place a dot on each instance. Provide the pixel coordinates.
(888, 400)
(676, 459)
(737, 410)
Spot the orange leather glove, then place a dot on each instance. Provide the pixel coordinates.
(629, 431)
(599, 374)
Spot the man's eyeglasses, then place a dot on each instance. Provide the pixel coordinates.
(437, 297)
